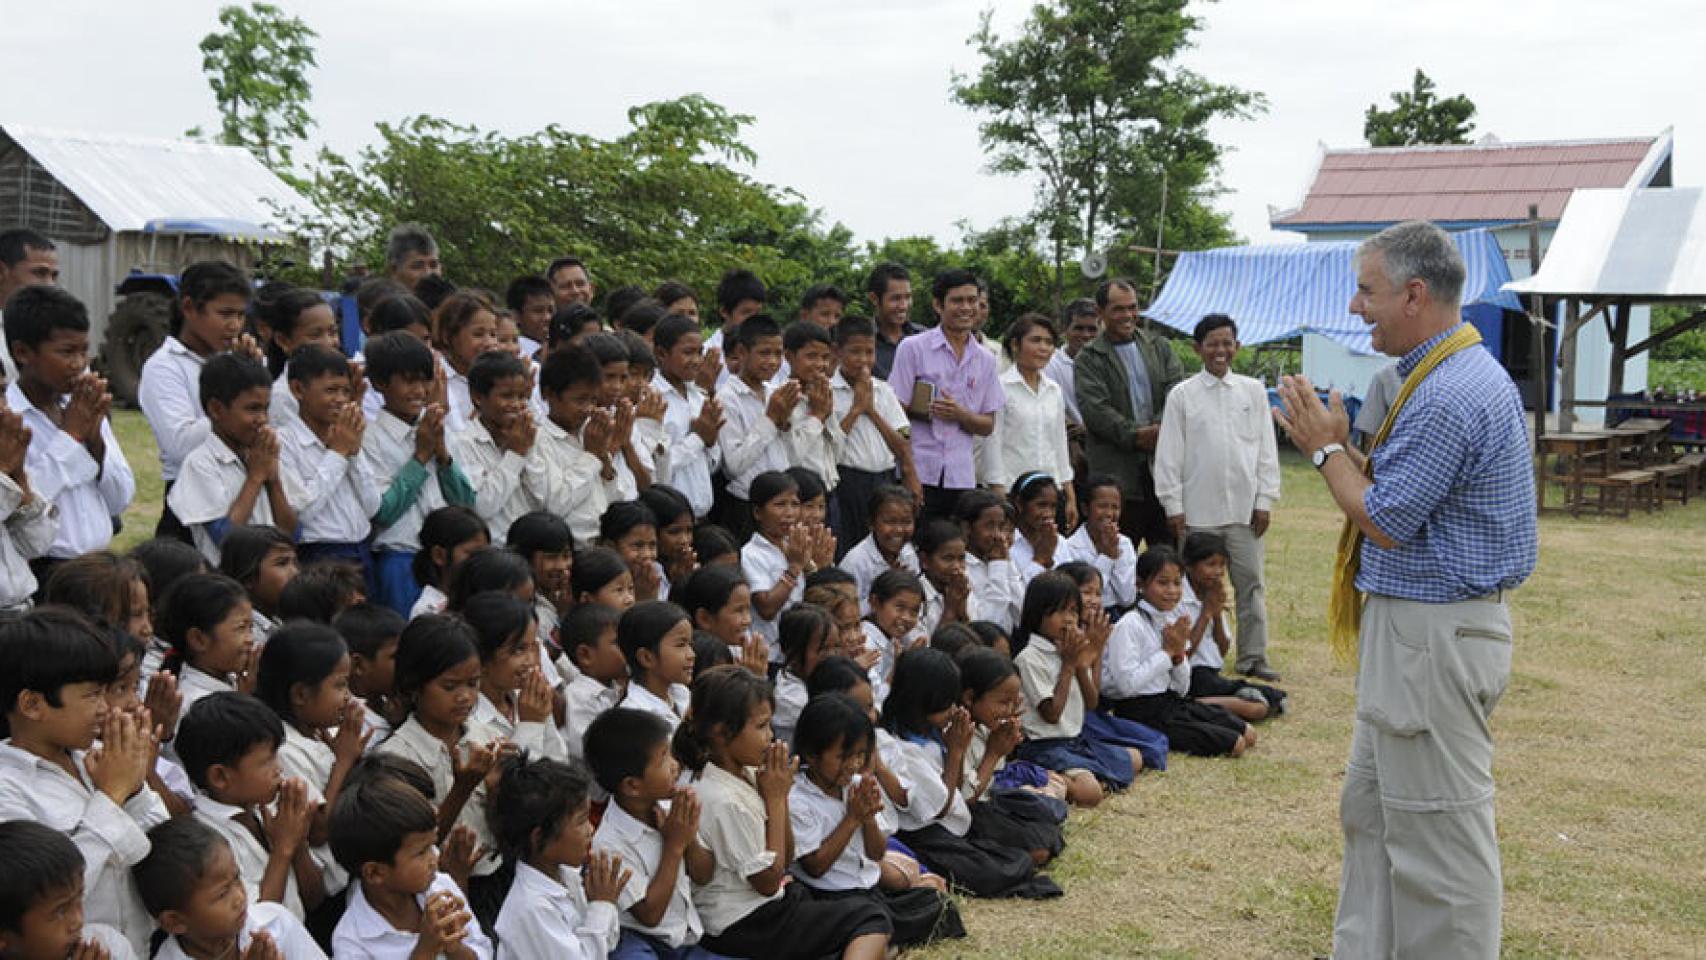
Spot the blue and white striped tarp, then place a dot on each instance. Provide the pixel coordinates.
(1280, 291)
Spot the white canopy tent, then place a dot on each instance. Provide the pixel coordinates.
(1615, 249)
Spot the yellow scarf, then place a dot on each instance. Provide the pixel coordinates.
(1344, 606)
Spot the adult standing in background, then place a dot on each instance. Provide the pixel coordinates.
(1079, 325)
(1123, 377)
(948, 385)
(570, 282)
(1439, 525)
(889, 288)
(1217, 470)
(411, 254)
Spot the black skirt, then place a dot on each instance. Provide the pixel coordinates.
(920, 914)
(1209, 682)
(1196, 728)
(1017, 818)
(981, 867)
(800, 925)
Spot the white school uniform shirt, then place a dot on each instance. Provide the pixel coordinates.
(569, 482)
(251, 853)
(815, 815)
(1031, 428)
(431, 601)
(282, 407)
(585, 698)
(919, 767)
(363, 934)
(118, 948)
(863, 447)
(750, 442)
(501, 494)
(1216, 459)
(866, 563)
(974, 757)
(1119, 574)
(623, 484)
(386, 448)
(931, 609)
(311, 760)
(413, 742)
(732, 827)
(339, 493)
(210, 479)
(671, 710)
(538, 738)
(1208, 652)
(170, 397)
(640, 846)
(790, 698)
(1062, 370)
(1134, 665)
(88, 495)
(814, 444)
(764, 564)
(545, 916)
(111, 838)
(195, 683)
(881, 673)
(997, 591)
(1039, 667)
(27, 529)
(691, 462)
(1024, 558)
(458, 402)
(292, 938)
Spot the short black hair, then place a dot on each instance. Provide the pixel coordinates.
(397, 354)
(1204, 544)
(585, 625)
(199, 601)
(367, 627)
(809, 482)
(569, 366)
(951, 279)
(535, 794)
(641, 316)
(221, 728)
(708, 588)
(936, 534)
(168, 560)
(642, 627)
(179, 851)
(672, 291)
(298, 652)
(831, 719)
(539, 532)
(830, 576)
(877, 283)
(802, 333)
(670, 330)
(563, 263)
(430, 645)
(448, 527)
(490, 367)
(312, 361)
(622, 517)
(16, 244)
(713, 540)
(523, 288)
(321, 591)
(594, 567)
(738, 286)
(489, 568)
(378, 764)
(245, 547)
(568, 322)
(821, 291)
(497, 618)
(39, 861)
(619, 744)
(1105, 290)
(757, 327)
(204, 281)
(666, 503)
(372, 817)
(47, 649)
(36, 312)
(1205, 326)
(607, 348)
(398, 313)
(639, 351)
(227, 376)
(836, 674)
(434, 289)
(852, 327)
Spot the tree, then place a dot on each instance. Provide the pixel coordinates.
(257, 64)
(1089, 98)
(1418, 116)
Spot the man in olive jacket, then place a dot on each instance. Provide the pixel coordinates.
(1123, 377)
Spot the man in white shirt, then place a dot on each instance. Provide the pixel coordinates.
(1217, 469)
(74, 460)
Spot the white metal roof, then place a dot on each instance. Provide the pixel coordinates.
(128, 181)
(1626, 243)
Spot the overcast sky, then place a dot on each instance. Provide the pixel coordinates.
(851, 96)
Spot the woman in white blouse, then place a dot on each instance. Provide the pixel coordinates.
(1031, 427)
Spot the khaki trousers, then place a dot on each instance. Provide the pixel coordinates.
(1244, 567)
(1421, 877)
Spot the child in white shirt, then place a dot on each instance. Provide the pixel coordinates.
(1098, 542)
(44, 892)
(574, 442)
(464, 329)
(892, 510)
(28, 522)
(692, 418)
(588, 635)
(754, 416)
(496, 448)
(321, 448)
(296, 318)
(657, 642)
(774, 559)
(874, 426)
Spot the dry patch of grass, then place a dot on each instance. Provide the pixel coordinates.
(1600, 771)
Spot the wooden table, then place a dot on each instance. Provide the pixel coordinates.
(1582, 454)
(1654, 439)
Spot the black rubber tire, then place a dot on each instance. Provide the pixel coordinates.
(135, 330)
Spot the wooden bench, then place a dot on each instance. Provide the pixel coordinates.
(1665, 473)
(1619, 492)
(1696, 464)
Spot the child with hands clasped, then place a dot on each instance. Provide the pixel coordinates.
(515, 695)
(891, 628)
(51, 771)
(808, 634)
(997, 589)
(321, 447)
(747, 909)
(496, 449)
(543, 824)
(775, 560)
(1203, 602)
(947, 590)
(1032, 798)
(41, 900)
(835, 809)
(28, 523)
(1038, 546)
(652, 825)
(1098, 542)
(892, 511)
(1060, 666)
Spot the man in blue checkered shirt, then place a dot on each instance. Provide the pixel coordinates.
(1448, 526)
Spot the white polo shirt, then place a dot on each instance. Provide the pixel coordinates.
(88, 495)
(363, 934)
(640, 846)
(545, 916)
(732, 826)
(170, 397)
(815, 815)
(1039, 669)
(339, 493)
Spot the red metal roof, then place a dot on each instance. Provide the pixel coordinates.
(1474, 183)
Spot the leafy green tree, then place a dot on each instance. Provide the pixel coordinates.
(1090, 98)
(257, 64)
(1419, 116)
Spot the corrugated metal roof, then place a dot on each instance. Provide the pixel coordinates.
(128, 181)
(1633, 243)
(1478, 183)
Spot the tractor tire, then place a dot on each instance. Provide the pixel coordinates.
(136, 329)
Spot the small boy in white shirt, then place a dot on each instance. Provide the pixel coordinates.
(321, 448)
(234, 477)
(574, 444)
(192, 886)
(814, 435)
(73, 456)
(629, 465)
(41, 910)
(692, 418)
(754, 417)
(874, 426)
(496, 449)
(385, 833)
(588, 635)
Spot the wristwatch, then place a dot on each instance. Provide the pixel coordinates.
(1319, 457)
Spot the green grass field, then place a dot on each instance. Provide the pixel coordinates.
(1601, 778)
